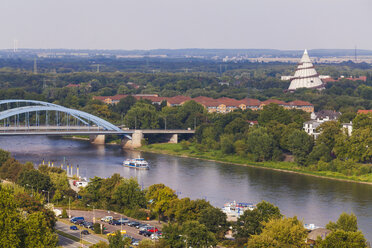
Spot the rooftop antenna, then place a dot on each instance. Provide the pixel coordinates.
(15, 45)
(35, 66)
(355, 54)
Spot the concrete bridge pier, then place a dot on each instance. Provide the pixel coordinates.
(97, 139)
(173, 138)
(135, 142)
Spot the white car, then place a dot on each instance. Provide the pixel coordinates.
(107, 218)
(154, 236)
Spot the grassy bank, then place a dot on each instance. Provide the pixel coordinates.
(216, 155)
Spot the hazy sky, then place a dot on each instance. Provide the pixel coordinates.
(149, 24)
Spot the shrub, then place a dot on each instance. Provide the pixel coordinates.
(64, 214)
(97, 228)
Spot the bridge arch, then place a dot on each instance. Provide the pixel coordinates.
(96, 120)
(39, 103)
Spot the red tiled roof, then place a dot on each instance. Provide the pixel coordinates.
(299, 103)
(178, 99)
(253, 122)
(362, 111)
(250, 102)
(361, 78)
(267, 102)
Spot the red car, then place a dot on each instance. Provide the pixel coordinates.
(153, 229)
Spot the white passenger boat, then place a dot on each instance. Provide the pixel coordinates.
(137, 163)
(234, 210)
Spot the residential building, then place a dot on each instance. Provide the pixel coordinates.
(325, 115)
(360, 78)
(220, 105)
(362, 111)
(317, 118)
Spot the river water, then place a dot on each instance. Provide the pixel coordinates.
(314, 200)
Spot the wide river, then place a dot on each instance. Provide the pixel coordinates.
(314, 200)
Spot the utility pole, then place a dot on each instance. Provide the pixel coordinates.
(69, 208)
(35, 66)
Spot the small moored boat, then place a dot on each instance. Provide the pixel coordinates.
(233, 209)
(137, 163)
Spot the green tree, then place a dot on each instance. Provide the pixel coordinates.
(215, 220)
(362, 121)
(37, 180)
(172, 234)
(38, 233)
(227, 143)
(342, 239)
(4, 156)
(260, 144)
(282, 232)
(300, 144)
(329, 131)
(11, 169)
(64, 214)
(128, 194)
(320, 152)
(146, 243)
(160, 197)
(118, 241)
(142, 115)
(124, 105)
(346, 222)
(100, 244)
(357, 147)
(11, 224)
(195, 234)
(274, 112)
(182, 210)
(250, 222)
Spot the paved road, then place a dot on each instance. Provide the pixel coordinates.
(91, 238)
(66, 242)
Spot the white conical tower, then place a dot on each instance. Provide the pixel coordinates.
(305, 75)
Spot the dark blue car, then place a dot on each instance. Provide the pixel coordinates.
(73, 228)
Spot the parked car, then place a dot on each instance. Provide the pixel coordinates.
(74, 219)
(123, 232)
(73, 228)
(85, 232)
(152, 229)
(135, 242)
(123, 220)
(145, 233)
(88, 224)
(107, 218)
(137, 225)
(114, 222)
(143, 226)
(133, 223)
(154, 236)
(79, 222)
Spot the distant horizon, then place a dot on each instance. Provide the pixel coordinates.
(186, 48)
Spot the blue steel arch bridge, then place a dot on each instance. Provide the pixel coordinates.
(30, 117)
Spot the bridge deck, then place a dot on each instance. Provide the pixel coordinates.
(80, 130)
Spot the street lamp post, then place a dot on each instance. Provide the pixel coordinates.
(94, 216)
(48, 194)
(69, 208)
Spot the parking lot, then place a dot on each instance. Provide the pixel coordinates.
(98, 214)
